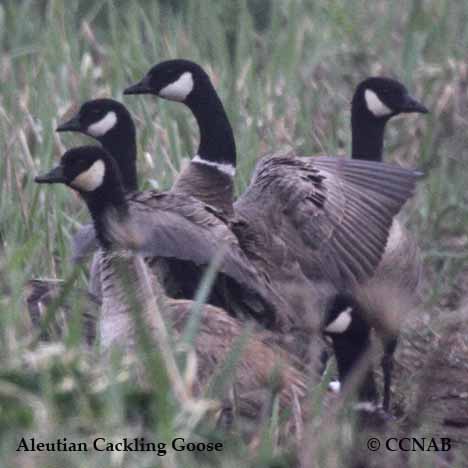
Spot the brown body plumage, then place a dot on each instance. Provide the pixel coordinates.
(260, 363)
(208, 185)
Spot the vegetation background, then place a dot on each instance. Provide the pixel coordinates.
(286, 71)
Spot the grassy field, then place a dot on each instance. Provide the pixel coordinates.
(286, 72)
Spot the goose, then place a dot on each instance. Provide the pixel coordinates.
(375, 101)
(122, 221)
(302, 219)
(209, 176)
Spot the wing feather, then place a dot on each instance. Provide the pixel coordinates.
(334, 213)
(169, 225)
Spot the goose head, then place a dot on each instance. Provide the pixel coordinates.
(382, 98)
(100, 119)
(87, 169)
(110, 123)
(175, 80)
(95, 176)
(186, 82)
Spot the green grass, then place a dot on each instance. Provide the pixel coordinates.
(286, 72)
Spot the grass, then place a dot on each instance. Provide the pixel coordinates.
(286, 73)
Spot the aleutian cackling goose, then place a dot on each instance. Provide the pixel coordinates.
(209, 176)
(123, 224)
(301, 219)
(375, 101)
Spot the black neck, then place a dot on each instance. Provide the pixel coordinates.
(121, 145)
(367, 134)
(216, 136)
(348, 353)
(109, 196)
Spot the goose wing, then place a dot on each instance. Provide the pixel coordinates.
(83, 243)
(168, 225)
(334, 214)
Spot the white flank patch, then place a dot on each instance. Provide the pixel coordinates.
(395, 236)
(334, 386)
(179, 89)
(375, 105)
(228, 169)
(101, 127)
(90, 179)
(341, 323)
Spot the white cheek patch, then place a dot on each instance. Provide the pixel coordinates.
(90, 179)
(227, 169)
(179, 89)
(375, 105)
(341, 323)
(102, 126)
(334, 386)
